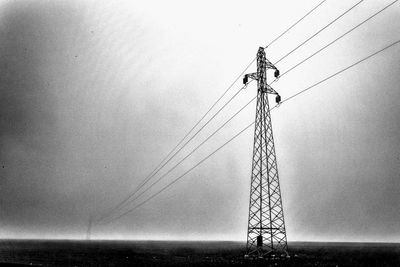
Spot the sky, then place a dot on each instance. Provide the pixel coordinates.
(93, 95)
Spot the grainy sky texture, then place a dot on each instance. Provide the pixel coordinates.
(93, 94)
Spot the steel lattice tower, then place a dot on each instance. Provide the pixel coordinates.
(266, 235)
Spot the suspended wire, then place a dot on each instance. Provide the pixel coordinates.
(205, 114)
(148, 178)
(161, 164)
(155, 171)
(181, 176)
(294, 24)
(342, 70)
(318, 32)
(338, 38)
(335, 40)
(274, 81)
(326, 46)
(240, 75)
(235, 136)
(194, 150)
(151, 176)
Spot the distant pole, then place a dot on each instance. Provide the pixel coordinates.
(266, 234)
(89, 229)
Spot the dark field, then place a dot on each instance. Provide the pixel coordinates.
(167, 253)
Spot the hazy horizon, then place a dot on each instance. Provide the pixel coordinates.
(192, 240)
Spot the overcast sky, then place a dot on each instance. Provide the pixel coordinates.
(95, 93)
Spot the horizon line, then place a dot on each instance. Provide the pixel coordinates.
(185, 240)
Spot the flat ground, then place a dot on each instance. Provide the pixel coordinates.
(173, 253)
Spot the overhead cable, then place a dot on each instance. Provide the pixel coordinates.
(318, 32)
(248, 126)
(162, 162)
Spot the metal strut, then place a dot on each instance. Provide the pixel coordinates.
(266, 234)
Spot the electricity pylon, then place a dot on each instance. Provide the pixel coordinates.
(266, 234)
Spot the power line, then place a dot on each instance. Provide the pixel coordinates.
(342, 70)
(235, 136)
(181, 176)
(318, 32)
(341, 36)
(162, 164)
(128, 198)
(205, 114)
(294, 24)
(195, 149)
(151, 176)
(241, 74)
(338, 38)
